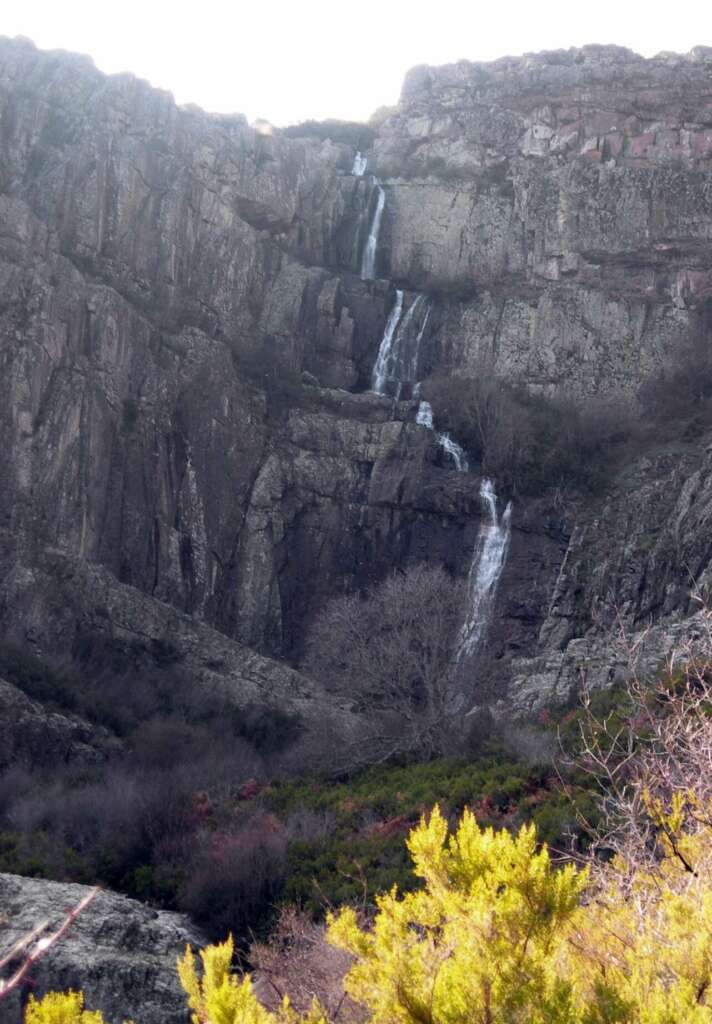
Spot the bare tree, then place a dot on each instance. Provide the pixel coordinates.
(392, 652)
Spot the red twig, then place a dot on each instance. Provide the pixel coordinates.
(40, 946)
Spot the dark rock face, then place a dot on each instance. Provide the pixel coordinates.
(32, 735)
(121, 954)
(174, 283)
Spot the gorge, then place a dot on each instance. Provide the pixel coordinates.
(236, 362)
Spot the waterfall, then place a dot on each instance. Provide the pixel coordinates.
(360, 165)
(397, 362)
(368, 260)
(425, 418)
(455, 452)
(487, 563)
(380, 370)
(425, 415)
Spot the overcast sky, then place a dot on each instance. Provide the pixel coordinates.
(288, 61)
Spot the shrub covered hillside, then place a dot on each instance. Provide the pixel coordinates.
(495, 931)
(498, 934)
(188, 810)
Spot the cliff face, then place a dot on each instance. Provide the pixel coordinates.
(569, 194)
(167, 275)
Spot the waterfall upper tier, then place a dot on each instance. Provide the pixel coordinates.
(368, 262)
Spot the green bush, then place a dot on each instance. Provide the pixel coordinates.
(361, 851)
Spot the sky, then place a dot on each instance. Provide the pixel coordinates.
(290, 61)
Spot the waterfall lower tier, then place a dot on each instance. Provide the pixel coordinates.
(487, 564)
(368, 260)
(360, 164)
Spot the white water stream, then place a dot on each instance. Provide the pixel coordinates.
(399, 352)
(380, 375)
(360, 165)
(487, 563)
(396, 365)
(425, 418)
(368, 260)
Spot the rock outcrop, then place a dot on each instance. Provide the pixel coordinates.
(120, 953)
(32, 735)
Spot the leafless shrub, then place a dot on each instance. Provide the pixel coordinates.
(304, 824)
(530, 443)
(681, 391)
(535, 746)
(650, 755)
(15, 783)
(299, 962)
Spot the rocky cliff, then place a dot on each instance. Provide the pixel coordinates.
(187, 346)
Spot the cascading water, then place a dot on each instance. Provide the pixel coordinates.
(368, 260)
(425, 415)
(397, 365)
(380, 370)
(455, 452)
(397, 362)
(487, 563)
(360, 165)
(425, 418)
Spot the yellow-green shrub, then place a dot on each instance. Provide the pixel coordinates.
(500, 935)
(61, 1008)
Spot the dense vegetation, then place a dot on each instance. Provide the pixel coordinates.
(498, 933)
(202, 834)
(529, 443)
(492, 929)
(185, 809)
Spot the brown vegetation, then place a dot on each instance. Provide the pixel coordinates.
(392, 652)
(529, 443)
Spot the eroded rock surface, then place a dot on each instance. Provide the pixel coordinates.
(120, 953)
(568, 194)
(32, 735)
